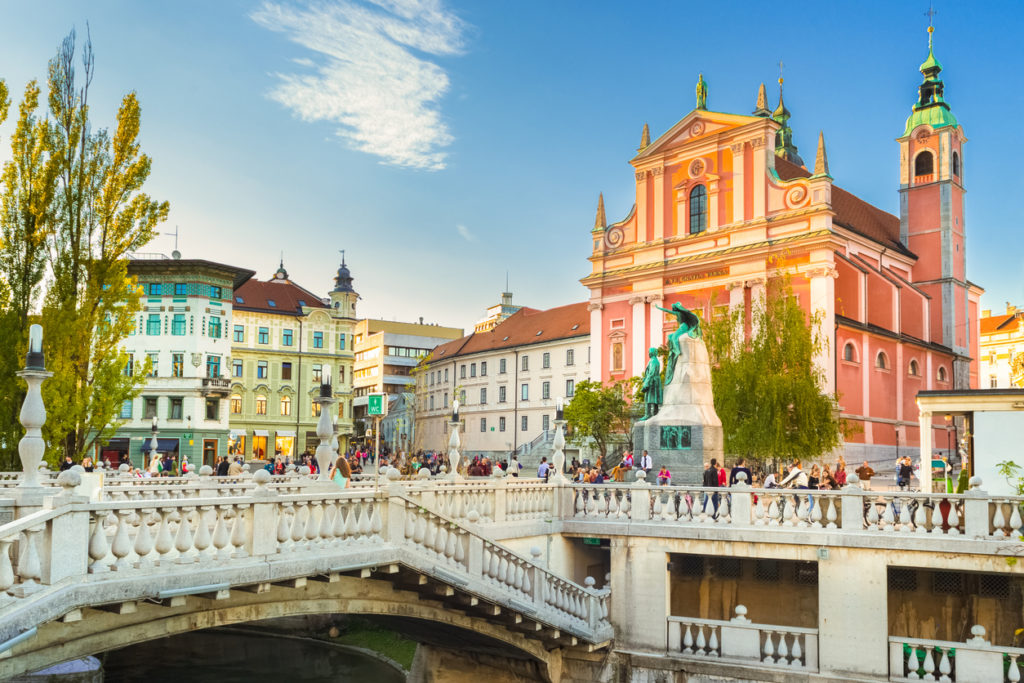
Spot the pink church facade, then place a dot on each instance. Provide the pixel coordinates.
(724, 204)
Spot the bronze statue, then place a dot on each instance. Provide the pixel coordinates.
(651, 385)
(689, 324)
(702, 93)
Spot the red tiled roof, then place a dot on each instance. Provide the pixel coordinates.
(995, 323)
(525, 326)
(256, 295)
(852, 212)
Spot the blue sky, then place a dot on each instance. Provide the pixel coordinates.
(443, 144)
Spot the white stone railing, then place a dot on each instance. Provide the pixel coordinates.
(485, 501)
(976, 661)
(743, 641)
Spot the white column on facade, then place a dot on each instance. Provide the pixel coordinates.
(641, 206)
(756, 302)
(713, 183)
(925, 472)
(737, 182)
(735, 295)
(656, 337)
(659, 203)
(596, 341)
(866, 364)
(760, 173)
(638, 338)
(823, 295)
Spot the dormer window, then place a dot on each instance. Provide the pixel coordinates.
(924, 164)
(698, 209)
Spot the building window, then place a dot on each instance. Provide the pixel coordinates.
(154, 365)
(177, 365)
(261, 369)
(236, 368)
(501, 366)
(318, 374)
(570, 357)
(472, 370)
(318, 340)
(501, 424)
(525, 423)
(545, 422)
(286, 337)
(483, 396)
(213, 366)
(501, 394)
(524, 363)
(570, 388)
(263, 336)
(315, 409)
(545, 390)
(239, 333)
(180, 289)
(882, 361)
(992, 384)
(153, 325)
(431, 402)
(213, 409)
(462, 396)
(286, 370)
(698, 210)
(525, 392)
(214, 327)
(126, 409)
(956, 164)
(341, 375)
(462, 372)
(545, 360)
(446, 375)
(617, 356)
(483, 368)
(175, 409)
(915, 371)
(341, 341)
(849, 353)
(215, 292)
(236, 404)
(129, 367)
(153, 289)
(149, 410)
(261, 405)
(942, 373)
(483, 424)
(178, 325)
(924, 164)
(286, 405)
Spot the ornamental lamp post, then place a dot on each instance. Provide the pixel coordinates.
(454, 442)
(33, 411)
(325, 427)
(558, 456)
(153, 443)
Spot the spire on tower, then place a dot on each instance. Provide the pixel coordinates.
(599, 220)
(821, 160)
(931, 107)
(762, 103)
(645, 138)
(784, 146)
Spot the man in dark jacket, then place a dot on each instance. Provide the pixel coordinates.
(711, 481)
(741, 466)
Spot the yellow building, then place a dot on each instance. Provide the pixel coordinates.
(1002, 348)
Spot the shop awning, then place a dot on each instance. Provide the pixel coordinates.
(260, 432)
(162, 445)
(286, 432)
(235, 433)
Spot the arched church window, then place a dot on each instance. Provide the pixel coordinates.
(956, 164)
(924, 164)
(849, 354)
(881, 361)
(942, 373)
(698, 209)
(915, 371)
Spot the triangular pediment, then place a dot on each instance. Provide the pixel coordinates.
(699, 123)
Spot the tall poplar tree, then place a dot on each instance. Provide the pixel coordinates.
(768, 391)
(101, 216)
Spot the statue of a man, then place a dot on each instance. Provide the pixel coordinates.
(689, 324)
(651, 385)
(702, 92)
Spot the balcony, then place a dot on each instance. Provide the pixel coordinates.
(216, 386)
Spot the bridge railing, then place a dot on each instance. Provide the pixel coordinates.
(976, 661)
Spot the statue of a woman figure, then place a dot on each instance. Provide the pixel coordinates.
(651, 385)
(689, 324)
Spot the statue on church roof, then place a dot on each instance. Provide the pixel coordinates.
(702, 93)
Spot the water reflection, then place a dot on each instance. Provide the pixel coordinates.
(230, 657)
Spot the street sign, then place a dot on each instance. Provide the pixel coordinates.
(587, 540)
(376, 405)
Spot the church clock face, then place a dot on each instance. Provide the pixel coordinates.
(697, 168)
(923, 136)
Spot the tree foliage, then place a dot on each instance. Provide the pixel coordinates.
(72, 211)
(768, 389)
(597, 412)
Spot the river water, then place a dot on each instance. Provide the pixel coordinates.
(227, 657)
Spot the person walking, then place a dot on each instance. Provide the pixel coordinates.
(514, 466)
(222, 467)
(543, 469)
(904, 472)
(840, 472)
(864, 473)
(741, 467)
(711, 481)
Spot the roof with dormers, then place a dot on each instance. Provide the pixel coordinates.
(525, 327)
(999, 323)
(280, 296)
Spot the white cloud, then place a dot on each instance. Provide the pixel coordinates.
(465, 234)
(384, 97)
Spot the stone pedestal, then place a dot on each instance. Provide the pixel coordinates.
(686, 432)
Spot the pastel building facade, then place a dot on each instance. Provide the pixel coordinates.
(725, 204)
(1002, 349)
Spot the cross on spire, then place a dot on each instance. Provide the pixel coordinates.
(780, 72)
(342, 252)
(930, 13)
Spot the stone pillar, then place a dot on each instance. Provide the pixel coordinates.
(925, 473)
(638, 346)
(757, 292)
(641, 207)
(712, 203)
(737, 182)
(823, 296)
(853, 625)
(760, 174)
(596, 340)
(658, 210)
(656, 336)
(640, 582)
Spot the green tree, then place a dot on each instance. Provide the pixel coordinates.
(101, 216)
(768, 389)
(597, 412)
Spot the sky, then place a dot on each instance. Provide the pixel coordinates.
(443, 145)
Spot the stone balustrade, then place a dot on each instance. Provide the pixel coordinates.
(743, 641)
(976, 661)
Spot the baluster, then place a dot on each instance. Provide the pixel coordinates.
(945, 668)
(503, 570)
(920, 519)
(98, 547)
(913, 664)
(613, 504)
(803, 510)
(713, 641)
(591, 503)
(327, 524)
(687, 640)
(449, 546)
(164, 540)
(872, 515)
(773, 511)
(311, 532)
(953, 519)
(789, 512)
(440, 540)
(1015, 520)
(29, 568)
(627, 504)
(364, 523)
(239, 532)
(603, 503)
(668, 509)
(1013, 673)
(998, 521)
(815, 513)
(221, 537)
(6, 570)
(904, 518)
(122, 544)
(284, 533)
(492, 570)
(376, 522)
(769, 649)
(701, 643)
(759, 512)
(656, 505)
(202, 538)
(580, 502)
(929, 663)
(298, 530)
(832, 515)
(796, 652)
(421, 530)
(888, 516)
(723, 509)
(183, 539)
(782, 650)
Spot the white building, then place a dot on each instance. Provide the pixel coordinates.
(1002, 349)
(507, 381)
(183, 330)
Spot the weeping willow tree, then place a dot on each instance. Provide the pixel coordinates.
(768, 391)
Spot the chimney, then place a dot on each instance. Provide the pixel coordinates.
(421, 320)
(1010, 308)
(986, 313)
